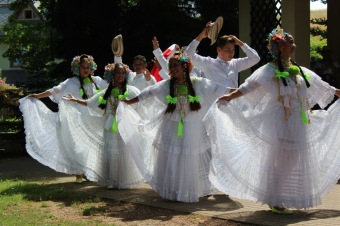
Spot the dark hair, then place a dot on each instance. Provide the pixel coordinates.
(195, 106)
(223, 40)
(140, 57)
(109, 89)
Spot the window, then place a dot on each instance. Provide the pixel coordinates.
(15, 64)
(28, 14)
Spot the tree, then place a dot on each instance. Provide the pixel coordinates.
(30, 44)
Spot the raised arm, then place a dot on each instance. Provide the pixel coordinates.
(159, 54)
(204, 33)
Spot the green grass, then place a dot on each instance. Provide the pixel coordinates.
(26, 203)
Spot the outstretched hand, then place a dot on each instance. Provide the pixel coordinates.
(127, 101)
(226, 97)
(155, 43)
(70, 98)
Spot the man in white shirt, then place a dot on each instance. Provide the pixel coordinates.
(141, 78)
(224, 68)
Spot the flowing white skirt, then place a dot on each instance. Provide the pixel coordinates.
(42, 142)
(263, 158)
(72, 141)
(104, 156)
(175, 167)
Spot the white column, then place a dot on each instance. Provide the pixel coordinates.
(295, 20)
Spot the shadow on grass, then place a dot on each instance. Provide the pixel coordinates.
(64, 193)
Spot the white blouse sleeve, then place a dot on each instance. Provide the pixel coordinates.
(63, 89)
(161, 59)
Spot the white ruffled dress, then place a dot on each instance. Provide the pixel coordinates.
(108, 157)
(263, 152)
(43, 128)
(175, 167)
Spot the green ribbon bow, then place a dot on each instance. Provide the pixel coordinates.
(114, 127)
(125, 95)
(115, 92)
(101, 100)
(182, 90)
(81, 92)
(171, 100)
(294, 70)
(180, 128)
(281, 74)
(86, 81)
(194, 99)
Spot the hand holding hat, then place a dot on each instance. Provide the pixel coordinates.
(214, 29)
(117, 45)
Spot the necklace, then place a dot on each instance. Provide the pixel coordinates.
(181, 91)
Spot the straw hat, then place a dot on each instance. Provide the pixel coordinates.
(117, 45)
(215, 29)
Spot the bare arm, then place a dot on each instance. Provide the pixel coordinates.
(232, 95)
(73, 99)
(40, 95)
(131, 101)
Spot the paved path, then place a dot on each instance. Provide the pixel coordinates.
(220, 205)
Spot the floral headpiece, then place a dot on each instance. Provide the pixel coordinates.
(84, 58)
(109, 72)
(181, 56)
(276, 39)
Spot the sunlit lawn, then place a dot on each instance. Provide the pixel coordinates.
(25, 203)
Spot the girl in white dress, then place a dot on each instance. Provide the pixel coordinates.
(114, 164)
(43, 127)
(276, 151)
(171, 147)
